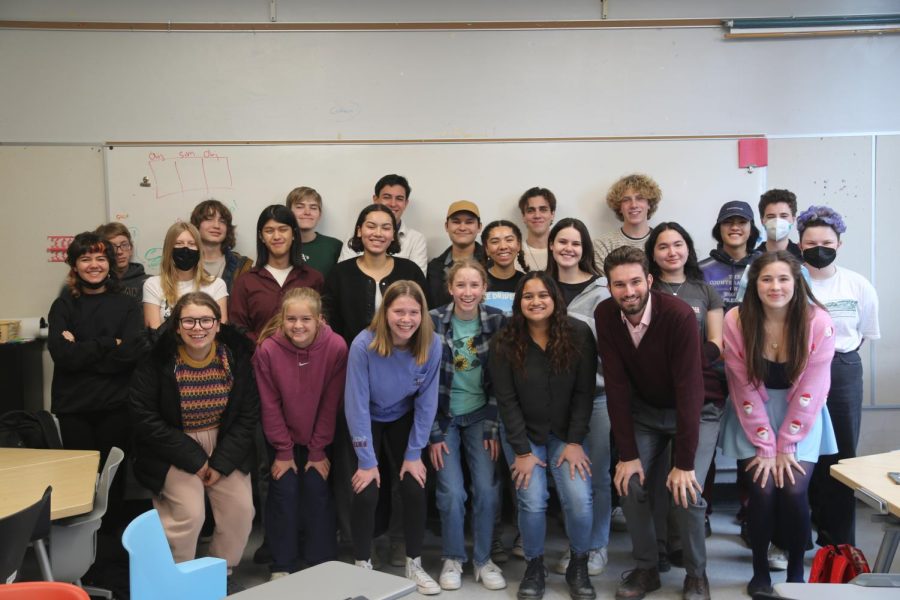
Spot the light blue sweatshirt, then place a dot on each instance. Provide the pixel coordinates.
(383, 389)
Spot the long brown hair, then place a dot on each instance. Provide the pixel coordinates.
(512, 341)
(796, 324)
(420, 344)
(304, 294)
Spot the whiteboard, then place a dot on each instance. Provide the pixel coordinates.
(696, 176)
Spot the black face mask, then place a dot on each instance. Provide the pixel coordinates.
(819, 256)
(185, 258)
(90, 285)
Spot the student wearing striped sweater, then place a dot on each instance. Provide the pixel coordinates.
(195, 407)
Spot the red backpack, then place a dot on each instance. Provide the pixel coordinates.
(837, 564)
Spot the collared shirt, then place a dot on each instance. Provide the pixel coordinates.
(637, 331)
(412, 246)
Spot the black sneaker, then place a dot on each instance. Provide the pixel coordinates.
(664, 565)
(577, 577)
(532, 585)
(233, 587)
(262, 556)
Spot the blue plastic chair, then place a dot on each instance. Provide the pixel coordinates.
(155, 575)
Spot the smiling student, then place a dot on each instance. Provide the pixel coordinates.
(502, 242)
(300, 366)
(634, 199)
(320, 251)
(779, 344)
(130, 274)
(393, 192)
(214, 222)
(463, 225)
(538, 207)
(180, 273)
(195, 406)
(390, 402)
(736, 236)
(583, 288)
(466, 424)
(279, 268)
(543, 366)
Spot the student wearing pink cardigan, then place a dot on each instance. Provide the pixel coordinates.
(778, 348)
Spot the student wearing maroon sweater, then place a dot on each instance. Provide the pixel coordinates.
(256, 295)
(300, 369)
(649, 345)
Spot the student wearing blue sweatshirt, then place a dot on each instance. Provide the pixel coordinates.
(390, 402)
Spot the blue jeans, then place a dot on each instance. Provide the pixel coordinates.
(597, 448)
(574, 495)
(451, 492)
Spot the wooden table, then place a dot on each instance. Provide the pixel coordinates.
(867, 476)
(25, 474)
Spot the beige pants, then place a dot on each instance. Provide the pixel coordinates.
(181, 509)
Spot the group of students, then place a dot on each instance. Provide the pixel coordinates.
(533, 349)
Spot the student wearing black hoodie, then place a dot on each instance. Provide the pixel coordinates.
(736, 235)
(131, 275)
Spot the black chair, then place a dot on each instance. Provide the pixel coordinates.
(16, 531)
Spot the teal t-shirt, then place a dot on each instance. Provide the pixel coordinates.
(466, 392)
(322, 253)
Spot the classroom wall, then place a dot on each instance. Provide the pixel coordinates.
(92, 87)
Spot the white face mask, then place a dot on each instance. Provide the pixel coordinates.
(777, 229)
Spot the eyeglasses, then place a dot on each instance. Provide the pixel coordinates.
(191, 322)
(124, 247)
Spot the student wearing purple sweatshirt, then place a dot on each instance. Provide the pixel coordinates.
(390, 402)
(300, 365)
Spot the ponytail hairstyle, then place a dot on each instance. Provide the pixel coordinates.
(513, 340)
(420, 343)
(90, 243)
(486, 234)
(586, 263)
(168, 273)
(295, 296)
(752, 320)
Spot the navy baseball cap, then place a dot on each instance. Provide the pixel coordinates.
(735, 208)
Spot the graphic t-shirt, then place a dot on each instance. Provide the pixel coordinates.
(466, 392)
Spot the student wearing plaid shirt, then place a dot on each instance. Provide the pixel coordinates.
(466, 421)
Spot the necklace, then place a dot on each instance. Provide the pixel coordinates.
(676, 290)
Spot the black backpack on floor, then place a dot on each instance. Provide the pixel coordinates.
(25, 429)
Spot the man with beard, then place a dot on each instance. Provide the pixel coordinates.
(650, 349)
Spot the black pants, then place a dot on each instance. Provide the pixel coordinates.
(833, 503)
(101, 430)
(299, 504)
(389, 443)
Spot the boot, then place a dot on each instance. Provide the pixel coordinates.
(580, 587)
(532, 586)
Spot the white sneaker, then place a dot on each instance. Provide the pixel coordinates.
(451, 575)
(777, 558)
(563, 563)
(278, 575)
(617, 520)
(597, 560)
(490, 576)
(365, 564)
(424, 583)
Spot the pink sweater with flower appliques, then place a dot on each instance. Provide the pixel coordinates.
(805, 398)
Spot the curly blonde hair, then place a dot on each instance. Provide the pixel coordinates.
(640, 183)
